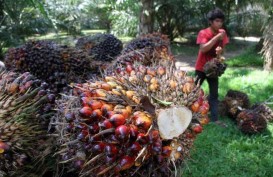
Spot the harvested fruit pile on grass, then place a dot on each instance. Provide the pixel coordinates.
(102, 47)
(25, 109)
(142, 123)
(250, 120)
(57, 65)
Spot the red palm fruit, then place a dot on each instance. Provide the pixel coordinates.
(147, 78)
(98, 148)
(111, 150)
(204, 120)
(161, 70)
(85, 111)
(112, 139)
(133, 131)
(188, 87)
(153, 136)
(95, 104)
(166, 151)
(3, 147)
(96, 115)
(144, 122)
(106, 107)
(106, 124)
(70, 116)
(142, 69)
(109, 114)
(189, 135)
(125, 163)
(142, 139)
(195, 106)
(203, 110)
(83, 135)
(134, 148)
(122, 132)
(124, 112)
(200, 100)
(151, 71)
(157, 147)
(118, 70)
(106, 86)
(99, 93)
(129, 69)
(85, 94)
(110, 159)
(117, 120)
(94, 129)
(173, 84)
(206, 104)
(201, 93)
(197, 128)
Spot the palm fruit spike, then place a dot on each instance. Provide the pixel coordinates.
(264, 110)
(57, 65)
(102, 47)
(250, 122)
(25, 109)
(115, 125)
(214, 68)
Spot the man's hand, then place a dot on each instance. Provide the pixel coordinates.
(219, 50)
(221, 35)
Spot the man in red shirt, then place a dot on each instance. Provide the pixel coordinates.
(212, 40)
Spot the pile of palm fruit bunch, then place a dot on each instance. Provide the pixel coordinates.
(102, 47)
(56, 64)
(249, 119)
(26, 106)
(146, 49)
(141, 122)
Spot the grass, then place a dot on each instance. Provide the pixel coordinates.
(222, 152)
(249, 58)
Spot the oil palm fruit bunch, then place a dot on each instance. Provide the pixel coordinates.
(235, 101)
(102, 47)
(25, 108)
(57, 65)
(251, 122)
(264, 110)
(138, 123)
(152, 41)
(214, 68)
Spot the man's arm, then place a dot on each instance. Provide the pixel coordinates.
(207, 46)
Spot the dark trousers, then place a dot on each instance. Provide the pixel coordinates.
(213, 92)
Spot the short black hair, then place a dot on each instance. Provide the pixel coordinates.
(215, 13)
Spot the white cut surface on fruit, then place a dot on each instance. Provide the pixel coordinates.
(174, 121)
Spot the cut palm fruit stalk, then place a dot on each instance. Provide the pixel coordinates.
(136, 129)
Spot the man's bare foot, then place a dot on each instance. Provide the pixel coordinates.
(220, 123)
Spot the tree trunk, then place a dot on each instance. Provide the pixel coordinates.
(146, 24)
(267, 49)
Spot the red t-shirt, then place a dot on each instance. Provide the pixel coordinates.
(203, 37)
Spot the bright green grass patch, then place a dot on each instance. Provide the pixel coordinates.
(249, 58)
(222, 152)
